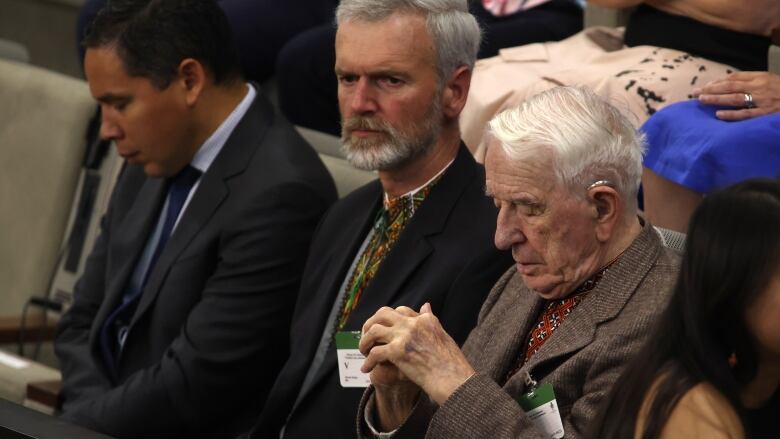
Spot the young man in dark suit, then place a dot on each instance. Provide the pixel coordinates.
(421, 233)
(188, 293)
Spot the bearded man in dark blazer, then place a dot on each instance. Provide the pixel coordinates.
(187, 295)
(422, 233)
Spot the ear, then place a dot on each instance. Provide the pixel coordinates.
(192, 79)
(605, 202)
(455, 91)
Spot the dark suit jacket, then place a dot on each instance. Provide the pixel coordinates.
(445, 256)
(210, 331)
(582, 358)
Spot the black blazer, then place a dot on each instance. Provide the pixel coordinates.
(210, 331)
(445, 256)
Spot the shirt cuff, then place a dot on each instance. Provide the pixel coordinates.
(368, 413)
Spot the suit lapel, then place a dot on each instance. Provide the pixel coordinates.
(515, 313)
(212, 191)
(337, 268)
(528, 305)
(415, 243)
(603, 303)
(130, 240)
(203, 205)
(344, 255)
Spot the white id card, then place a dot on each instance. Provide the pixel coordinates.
(350, 360)
(542, 409)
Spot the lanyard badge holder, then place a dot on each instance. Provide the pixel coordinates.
(540, 406)
(350, 360)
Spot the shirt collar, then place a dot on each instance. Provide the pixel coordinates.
(413, 192)
(213, 145)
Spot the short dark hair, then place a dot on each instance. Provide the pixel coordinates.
(152, 37)
(732, 250)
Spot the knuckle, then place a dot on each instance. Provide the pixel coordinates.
(428, 319)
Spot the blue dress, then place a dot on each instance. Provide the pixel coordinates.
(688, 145)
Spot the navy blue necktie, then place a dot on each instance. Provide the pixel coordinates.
(114, 330)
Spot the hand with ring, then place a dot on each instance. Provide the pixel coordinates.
(751, 94)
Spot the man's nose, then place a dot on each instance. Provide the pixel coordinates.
(363, 99)
(508, 229)
(109, 130)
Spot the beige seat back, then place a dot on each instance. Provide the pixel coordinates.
(107, 174)
(13, 51)
(43, 121)
(346, 176)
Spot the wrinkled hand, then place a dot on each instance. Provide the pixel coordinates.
(418, 347)
(730, 91)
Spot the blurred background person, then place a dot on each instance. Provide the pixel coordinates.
(260, 28)
(728, 135)
(712, 366)
(667, 48)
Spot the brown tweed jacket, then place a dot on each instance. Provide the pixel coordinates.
(582, 359)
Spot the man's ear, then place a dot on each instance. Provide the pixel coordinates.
(192, 79)
(605, 202)
(455, 91)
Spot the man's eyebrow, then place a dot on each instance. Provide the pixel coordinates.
(525, 200)
(381, 73)
(530, 203)
(388, 72)
(110, 98)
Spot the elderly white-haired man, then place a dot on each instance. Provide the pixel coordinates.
(558, 327)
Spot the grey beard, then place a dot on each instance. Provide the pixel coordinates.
(396, 149)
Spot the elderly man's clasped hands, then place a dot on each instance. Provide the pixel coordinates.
(402, 344)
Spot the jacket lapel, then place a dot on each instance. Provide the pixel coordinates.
(515, 313)
(415, 243)
(343, 256)
(338, 264)
(130, 240)
(603, 303)
(210, 194)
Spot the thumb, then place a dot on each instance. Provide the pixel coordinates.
(426, 308)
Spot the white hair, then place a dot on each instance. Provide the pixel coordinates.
(587, 139)
(454, 31)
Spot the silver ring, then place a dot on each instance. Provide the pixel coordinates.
(749, 101)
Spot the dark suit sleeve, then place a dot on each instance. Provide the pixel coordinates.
(235, 338)
(467, 294)
(81, 377)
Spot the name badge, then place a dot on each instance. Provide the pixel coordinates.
(350, 360)
(542, 409)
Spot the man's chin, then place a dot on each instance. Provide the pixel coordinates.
(154, 171)
(371, 158)
(546, 289)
